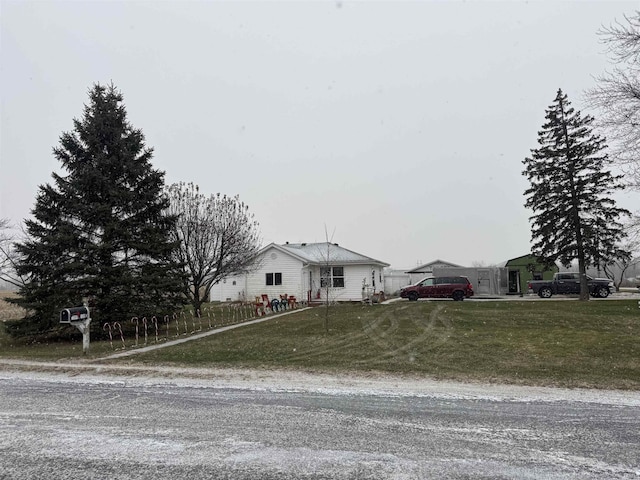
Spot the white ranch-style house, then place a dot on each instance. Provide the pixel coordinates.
(305, 270)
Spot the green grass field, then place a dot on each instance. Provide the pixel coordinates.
(563, 343)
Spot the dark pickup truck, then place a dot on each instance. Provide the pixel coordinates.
(569, 283)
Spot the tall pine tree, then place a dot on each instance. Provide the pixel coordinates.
(101, 231)
(574, 216)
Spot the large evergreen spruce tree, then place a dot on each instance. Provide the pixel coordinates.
(101, 231)
(570, 186)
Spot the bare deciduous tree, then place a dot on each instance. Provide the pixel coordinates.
(217, 237)
(626, 257)
(326, 281)
(8, 256)
(617, 95)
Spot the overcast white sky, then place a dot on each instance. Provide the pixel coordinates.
(400, 126)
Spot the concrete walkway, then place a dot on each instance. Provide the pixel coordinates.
(197, 336)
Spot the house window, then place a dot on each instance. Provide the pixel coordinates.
(274, 278)
(338, 276)
(332, 276)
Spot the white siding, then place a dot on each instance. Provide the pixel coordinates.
(231, 289)
(394, 280)
(355, 276)
(297, 281)
(275, 261)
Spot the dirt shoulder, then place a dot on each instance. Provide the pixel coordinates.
(288, 380)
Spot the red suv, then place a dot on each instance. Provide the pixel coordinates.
(439, 287)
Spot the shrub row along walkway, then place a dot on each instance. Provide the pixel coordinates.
(197, 336)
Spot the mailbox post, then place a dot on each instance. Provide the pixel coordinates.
(79, 317)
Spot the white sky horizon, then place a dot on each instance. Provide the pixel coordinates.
(397, 127)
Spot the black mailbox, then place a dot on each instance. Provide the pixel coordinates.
(74, 314)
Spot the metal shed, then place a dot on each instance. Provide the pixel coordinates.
(486, 281)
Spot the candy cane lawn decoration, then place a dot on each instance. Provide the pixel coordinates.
(121, 334)
(105, 327)
(184, 319)
(199, 320)
(167, 320)
(144, 323)
(135, 319)
(155, 324)
(193, 322)
(175, 316)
